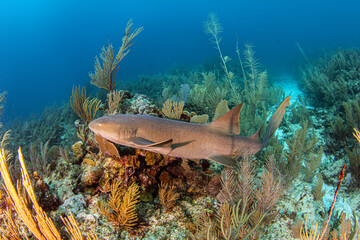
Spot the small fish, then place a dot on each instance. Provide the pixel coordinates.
(218, 141)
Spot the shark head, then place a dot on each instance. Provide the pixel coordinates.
(114, 128)
(106, 127)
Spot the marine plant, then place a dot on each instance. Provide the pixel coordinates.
(55, 124)
(301, 151)
(352, 114)
(300, 113)
(354, 157)
(245, 204)
(167, 196)
(255, 80)
(159, 87)
(113, 98)
(82, 105)
(73, 230)
(121, 206)
(343, 124)
(318, 191)
(25, 204)
(105, 72)
(332, 78)
(318, 234)
(39, 162)
(214, 29)
(251, 87)
(107, 147)
(206, 95)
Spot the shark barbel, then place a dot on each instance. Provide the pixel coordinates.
(217, 141)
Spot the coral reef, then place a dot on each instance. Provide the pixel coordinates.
(78, 185)
(122, 205)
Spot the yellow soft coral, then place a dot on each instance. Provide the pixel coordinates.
(122, 212)
(28, 209)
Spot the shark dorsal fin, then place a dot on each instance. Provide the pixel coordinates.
(256, 136)
(229, 122)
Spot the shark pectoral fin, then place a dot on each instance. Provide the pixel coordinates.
(223, 160)
(106, 147)
(163, 147)
(141, 141)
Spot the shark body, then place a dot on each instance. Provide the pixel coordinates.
(217, 141)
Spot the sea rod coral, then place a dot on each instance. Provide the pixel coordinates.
(28, 209)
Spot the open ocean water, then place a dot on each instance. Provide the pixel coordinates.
(46, 47)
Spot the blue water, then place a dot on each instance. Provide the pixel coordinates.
(48, 46)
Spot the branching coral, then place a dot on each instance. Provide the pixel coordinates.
(105, 73)
(114, 98)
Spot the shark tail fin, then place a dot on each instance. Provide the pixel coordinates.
(275, 120)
